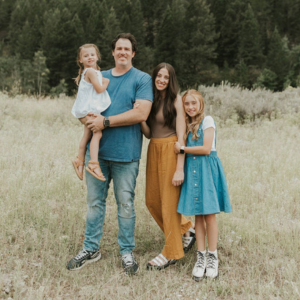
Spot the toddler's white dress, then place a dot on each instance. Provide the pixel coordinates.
(88, 100)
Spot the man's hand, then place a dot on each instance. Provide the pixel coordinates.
(177, 148)
(178, 178)
(96, 123)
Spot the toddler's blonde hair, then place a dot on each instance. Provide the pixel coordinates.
(81, 68)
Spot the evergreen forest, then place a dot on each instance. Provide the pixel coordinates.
(254, 43)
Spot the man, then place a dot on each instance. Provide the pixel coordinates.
(119, 154)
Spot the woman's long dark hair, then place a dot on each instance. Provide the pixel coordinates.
(169, 110)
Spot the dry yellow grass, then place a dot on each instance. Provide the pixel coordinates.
(43, 214)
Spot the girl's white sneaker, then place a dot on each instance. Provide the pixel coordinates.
(212, 265)
(199, 268)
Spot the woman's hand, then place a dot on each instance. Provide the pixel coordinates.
(177, 148)
(178, 178)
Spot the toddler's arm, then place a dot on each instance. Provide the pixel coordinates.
(92, 77)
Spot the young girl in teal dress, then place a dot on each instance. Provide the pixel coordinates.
(204, 191)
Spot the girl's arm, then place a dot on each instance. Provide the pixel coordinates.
(92, 77)
(180, 130)
(200, 150)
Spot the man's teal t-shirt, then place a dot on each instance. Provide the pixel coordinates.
(124, 143)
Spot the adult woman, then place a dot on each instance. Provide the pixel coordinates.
(164, 174)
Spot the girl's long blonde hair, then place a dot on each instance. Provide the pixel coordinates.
(81, 67)
(194, 126)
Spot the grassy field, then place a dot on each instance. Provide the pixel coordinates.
(43, 212)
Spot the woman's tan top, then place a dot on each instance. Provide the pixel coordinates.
(158, 130)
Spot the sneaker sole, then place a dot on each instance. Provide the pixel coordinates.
(212, 278)
(130, 274)
(198, 278)
(87, 262)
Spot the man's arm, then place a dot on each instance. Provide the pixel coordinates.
(130, 117)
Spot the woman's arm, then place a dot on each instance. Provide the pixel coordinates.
(144, 126)
(92, 77)
(145, 130)
(200, 150)
(180, 130)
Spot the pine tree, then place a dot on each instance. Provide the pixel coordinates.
(229, 33)
(262, 12)
(40, 72)
(62, 36)
(278, 14)
(217, 8)
(199, 42)
(28, 40)
(25, 27)
(295, 66)
(293, 24)
(249, 39)
(6, 8)
(267, 79)
(17, 21)
(242, 74)
(168, 42)
(110, 30)
(153, 12)
(278, 59)
(91, 15)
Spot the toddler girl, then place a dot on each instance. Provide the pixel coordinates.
(92, 98)
(204, 191)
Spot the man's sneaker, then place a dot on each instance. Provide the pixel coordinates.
(200, 265)
(82, 258)
(129, 264)
(212, 266)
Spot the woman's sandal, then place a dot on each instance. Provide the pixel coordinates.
(189, 241)
(92, 165)
(160, 262)
(76, 164)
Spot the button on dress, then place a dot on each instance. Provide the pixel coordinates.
(204, 190)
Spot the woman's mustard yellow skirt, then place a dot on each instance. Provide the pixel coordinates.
(162, 197)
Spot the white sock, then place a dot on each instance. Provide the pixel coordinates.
(215, 253)
(203, 252)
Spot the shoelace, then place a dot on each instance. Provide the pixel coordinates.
(200, 260)
(211, 259)
(128, 259)
(81, 254)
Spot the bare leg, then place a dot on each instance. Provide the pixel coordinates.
(94, 149)
(212, 232)
(78, 163)
(200, 232)
(87, 134)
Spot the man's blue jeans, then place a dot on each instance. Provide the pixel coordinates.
(124, 176)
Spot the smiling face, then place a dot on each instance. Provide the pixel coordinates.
(191, 106)
(123, 53)
(162, 79)
(89, 57)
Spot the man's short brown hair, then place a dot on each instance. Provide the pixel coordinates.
(127, 36)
